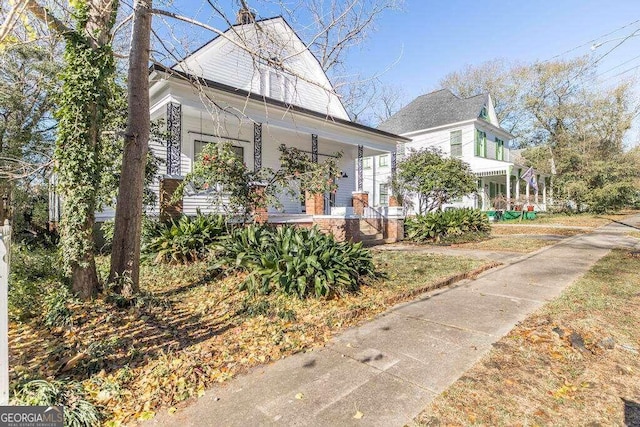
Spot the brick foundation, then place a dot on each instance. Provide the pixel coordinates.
(260, 213)
(314, 203)
(169, 210)
(360, 200)
(343, 229)
(394, 229)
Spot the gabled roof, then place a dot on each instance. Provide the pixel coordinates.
(208, 42)
(244, 94)
(434, 109)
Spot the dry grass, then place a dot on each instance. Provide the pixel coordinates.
(634, 234)
(192, 331)
(508, 244)
(507, 230)
(535, 376)
(581, 220)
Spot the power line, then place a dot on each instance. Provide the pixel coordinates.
(590, 42)
(618, 66)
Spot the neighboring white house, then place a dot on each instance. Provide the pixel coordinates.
(466, 128)
(222, 92)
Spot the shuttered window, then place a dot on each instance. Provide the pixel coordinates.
(499, 149)
(481, 144)
(456, 143)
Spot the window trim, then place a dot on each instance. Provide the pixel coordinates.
(481, 144)
(196, 141)
(385, 201)
(458, 142)
(367, 163)
(386, 160)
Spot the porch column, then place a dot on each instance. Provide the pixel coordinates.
(482, 194)
(527, 192)
(257, 146)
(393, 198)
(517, 189)
(509, 188)
(538, 184)
(360, 177)
(314, 148)
(544, 194)
(174, 138)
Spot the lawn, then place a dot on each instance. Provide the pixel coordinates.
(507, 244)
(574, 362)
(508, 230)
(574, 220)
(190, 331)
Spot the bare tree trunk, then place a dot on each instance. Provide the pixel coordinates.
(125, 255)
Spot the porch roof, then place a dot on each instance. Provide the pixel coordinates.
(274, 102)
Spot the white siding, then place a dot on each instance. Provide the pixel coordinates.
(224, 61)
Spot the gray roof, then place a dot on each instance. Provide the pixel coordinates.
(434, 109)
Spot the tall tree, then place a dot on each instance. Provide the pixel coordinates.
(125, 255)
(87, 86)
(27, 85)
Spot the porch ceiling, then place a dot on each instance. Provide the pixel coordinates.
(370, 148)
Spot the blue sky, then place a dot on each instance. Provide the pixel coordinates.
(415, 47)
(434, 38)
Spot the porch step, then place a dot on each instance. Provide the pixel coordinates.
(370, 236)
(375, 242)
(367, 228)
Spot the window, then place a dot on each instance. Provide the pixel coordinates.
(383, 160)
(481, 144)
(499, 149)
(366, 163)
(277, 85)
(484, 114)
(199, 145)
(456, 143)
(384, 194)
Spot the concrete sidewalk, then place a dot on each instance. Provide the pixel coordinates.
(390, 368)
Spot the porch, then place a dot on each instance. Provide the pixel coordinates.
(503, 189)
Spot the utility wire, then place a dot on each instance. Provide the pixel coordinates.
(590, 42)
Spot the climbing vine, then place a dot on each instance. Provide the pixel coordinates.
(83, 103)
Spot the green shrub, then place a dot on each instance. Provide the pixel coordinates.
(56, 306)
(185, 240)
(436, 226)
(295, 261)
(33, 272)
(78, 412)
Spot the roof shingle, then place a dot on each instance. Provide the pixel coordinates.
(434, 109)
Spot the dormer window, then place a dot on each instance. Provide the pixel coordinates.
(484, 114)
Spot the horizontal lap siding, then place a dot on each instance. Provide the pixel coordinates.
(226, 63)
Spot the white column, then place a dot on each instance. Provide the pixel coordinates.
(509, 188)
(538, 190)
(517, 189)
(482, 194)
(527, 193)
(544, 194)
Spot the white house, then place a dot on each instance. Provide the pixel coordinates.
(224, 92)
(467, 128)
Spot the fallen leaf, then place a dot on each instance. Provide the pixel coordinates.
(171, 410)
(146, 415)
(358, 415)
(299, 396)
